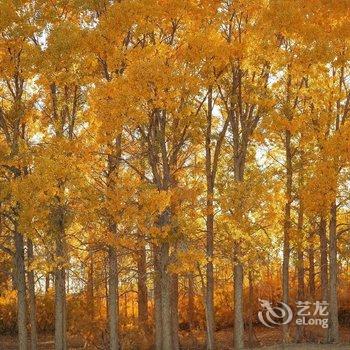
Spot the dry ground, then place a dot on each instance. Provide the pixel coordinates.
(266, 339)
(306, 347)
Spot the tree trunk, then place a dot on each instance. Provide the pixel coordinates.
(21, 291)
(300, 266)
(113, 160)
(90, 286)
(126, 306)
(142, 293)
(312, 285)
(60, 296)
(190, 304)
(164, 337)
(47, 283)
(167, 339)
(157, 299)
(333, 330)
(238, 326)
(324, 260)
(209, 295)
(113, 299)
(32, 301)
(67, 282)
(286, 231)
(174, 310)
(324, 263)
(251, 309)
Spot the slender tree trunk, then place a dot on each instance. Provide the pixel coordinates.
(333, 330)
(300, 266)
(333, 322)
(174, 310)
(113, 299)
(60, 296)
(21, 291)
(251, 309)
(209, 294)
(241, 136)
(311, 254)
(133, 309)
(286, 230)
(238, 325)
(190, 303)
(113, 161)
(142, 293)
(324, 260)
(126, 306)
(90, 286)
(67, 282)
(32, 301)
(324, 263)
(47, 283)
(60, 336)
(301, 275)
(167, 339)
(157, 299)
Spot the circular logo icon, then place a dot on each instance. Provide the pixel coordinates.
(270, 315)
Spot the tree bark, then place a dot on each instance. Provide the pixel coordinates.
(209, 294)
(90, 285)
(333, 330)
(190, 303)
(286, 230)
(142, 293)
(60, 295)
(47, 283)
(167, 339)
(251, 309)
(113, 162)
(311, 255)
(238, 326)
(324, 259)
(174, 310)
(333, 322)
(113, 299)
(300, 266)
(21, 291)
(32, 301)
(157, 300)
(164, 338)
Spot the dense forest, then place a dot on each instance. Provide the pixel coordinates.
(170, 170)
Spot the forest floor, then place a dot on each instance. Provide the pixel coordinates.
(265, 339)
(270, 339)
